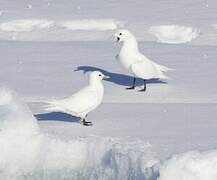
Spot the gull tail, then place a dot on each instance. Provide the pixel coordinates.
(163, 68)
(162, 76)
(51, 106)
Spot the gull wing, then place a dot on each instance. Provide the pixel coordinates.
(160, 67)
(147, 70)
(81, 102)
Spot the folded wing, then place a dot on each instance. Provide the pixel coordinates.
(147, 71)
(81, 102)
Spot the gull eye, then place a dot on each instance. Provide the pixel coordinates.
(120, 34)
(100, 74)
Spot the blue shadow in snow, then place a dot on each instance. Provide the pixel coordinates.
(117, 78)
(56, 116)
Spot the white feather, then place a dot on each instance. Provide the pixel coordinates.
(135, 62)
(82, 102)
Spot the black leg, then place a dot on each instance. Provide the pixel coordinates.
(86, 123)
(144, 89)
(133, 86)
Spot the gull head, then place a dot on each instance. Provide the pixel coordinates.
(97, 76)
(123, 35)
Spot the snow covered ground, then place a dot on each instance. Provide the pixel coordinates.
(48, 47)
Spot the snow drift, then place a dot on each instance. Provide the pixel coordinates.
(26, 25)
(91, 24)
(174, 34)
(26, 153)
(62, 30)
(14, 115)
(190, 166)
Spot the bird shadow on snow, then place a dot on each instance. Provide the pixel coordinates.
(117, 78)
(57, 116)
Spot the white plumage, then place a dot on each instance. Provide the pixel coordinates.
(82, 102)
(135, 62)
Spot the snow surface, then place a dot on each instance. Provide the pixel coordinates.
(137, 16)
(91, 24)
(26, 153)
(134, 135)
(174, 34)
(63, 65)
(193, 165)
(25, 25)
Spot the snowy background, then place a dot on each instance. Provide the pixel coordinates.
(48, 47)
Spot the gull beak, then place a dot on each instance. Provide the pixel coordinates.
(118, 39)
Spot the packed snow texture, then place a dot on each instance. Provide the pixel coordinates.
(138, 16)
(10, 109)
(192, 165)
(91, 24)
(214, 26)
(26, 25)
(28, 154)
(174, 34)
(58, 30)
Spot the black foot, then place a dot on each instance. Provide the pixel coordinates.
(133, 86)
(86, 123)
(130, 88)
(142, 90)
